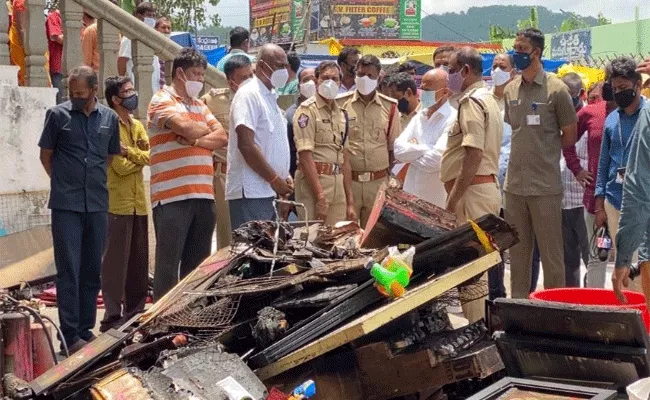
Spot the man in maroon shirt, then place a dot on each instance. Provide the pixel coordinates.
(591, 120)
(54, 31)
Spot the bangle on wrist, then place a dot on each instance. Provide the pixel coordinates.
(275, 178)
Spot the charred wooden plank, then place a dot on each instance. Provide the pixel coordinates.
(401, 218)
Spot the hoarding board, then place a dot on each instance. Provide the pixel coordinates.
(271, 22)
(370, 19)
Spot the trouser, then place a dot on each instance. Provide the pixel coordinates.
(613, 217)
(478, 201)
(78, 241)
(534, 268)
(224, 230)
(125, 268)
(576, 245)
(596, 269)
(184, 232)
(57, 83)
(246, 210)
(364, 197)
(535, 217)
(334, 193)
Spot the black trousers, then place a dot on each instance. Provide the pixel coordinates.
(183, 240)
(576, 244)
(78, 241)
(125, 268)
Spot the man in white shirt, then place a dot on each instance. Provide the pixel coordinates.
(145, 12)
(258, 146)
(424, 140)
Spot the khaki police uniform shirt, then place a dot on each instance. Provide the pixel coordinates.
(479, 125)
(534, 165)
(370, 138)
(406, 118)
(218, 101)
(320, 129)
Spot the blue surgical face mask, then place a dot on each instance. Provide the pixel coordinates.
(428, 98)
(522, 60)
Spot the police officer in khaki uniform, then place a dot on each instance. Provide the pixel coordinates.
(374, 126)
(237, 69)
(323, 179)
(470, 164)
(543, 119)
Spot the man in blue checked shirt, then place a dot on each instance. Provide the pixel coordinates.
(618, 136)
(635, 210)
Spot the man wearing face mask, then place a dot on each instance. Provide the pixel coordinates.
(543, 119)
(374, 125)
(424, 140)
(403, 88)
(145, 12)
(238, 69)
(183, 134)
(258, 150)
(618, 136)
(323, 179)
(441, 57)
(126, 257)
(79, 139)
(307, 89)
(347, 60)
(470, 164)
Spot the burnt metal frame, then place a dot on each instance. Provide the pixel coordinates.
(498, 389)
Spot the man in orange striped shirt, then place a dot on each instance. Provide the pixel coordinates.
(182, 135)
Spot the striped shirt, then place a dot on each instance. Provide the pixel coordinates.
(178, 172)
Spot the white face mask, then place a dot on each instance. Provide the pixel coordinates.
(328, 89)
(193, 88)
(365, 85)
(500, 77)
(151, 22)
(308, 89)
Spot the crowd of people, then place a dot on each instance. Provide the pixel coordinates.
(548, 154)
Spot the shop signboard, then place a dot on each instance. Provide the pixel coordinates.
(370, 19)
(271, 22)
(206, 43)
(571, 46)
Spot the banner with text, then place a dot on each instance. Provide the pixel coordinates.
(571, 46)
(370, 19)
(271, 22)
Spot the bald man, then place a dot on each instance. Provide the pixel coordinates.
(258, 150)
(424, 140)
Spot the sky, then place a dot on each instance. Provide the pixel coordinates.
(233, 12)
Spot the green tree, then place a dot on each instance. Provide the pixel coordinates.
(572, 23)
(187, 15)
(602, 20)
(532, 22)
(498, 33)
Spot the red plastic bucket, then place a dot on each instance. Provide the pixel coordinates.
(596, 297)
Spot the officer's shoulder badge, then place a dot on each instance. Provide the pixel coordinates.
(303, 120)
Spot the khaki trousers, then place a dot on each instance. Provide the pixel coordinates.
(334, 192)
(478, 201)
(364, 198)
(224, 230)
(613, 218)
(535, 217)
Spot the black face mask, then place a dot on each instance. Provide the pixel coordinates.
(403, 105)
(625, 98)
